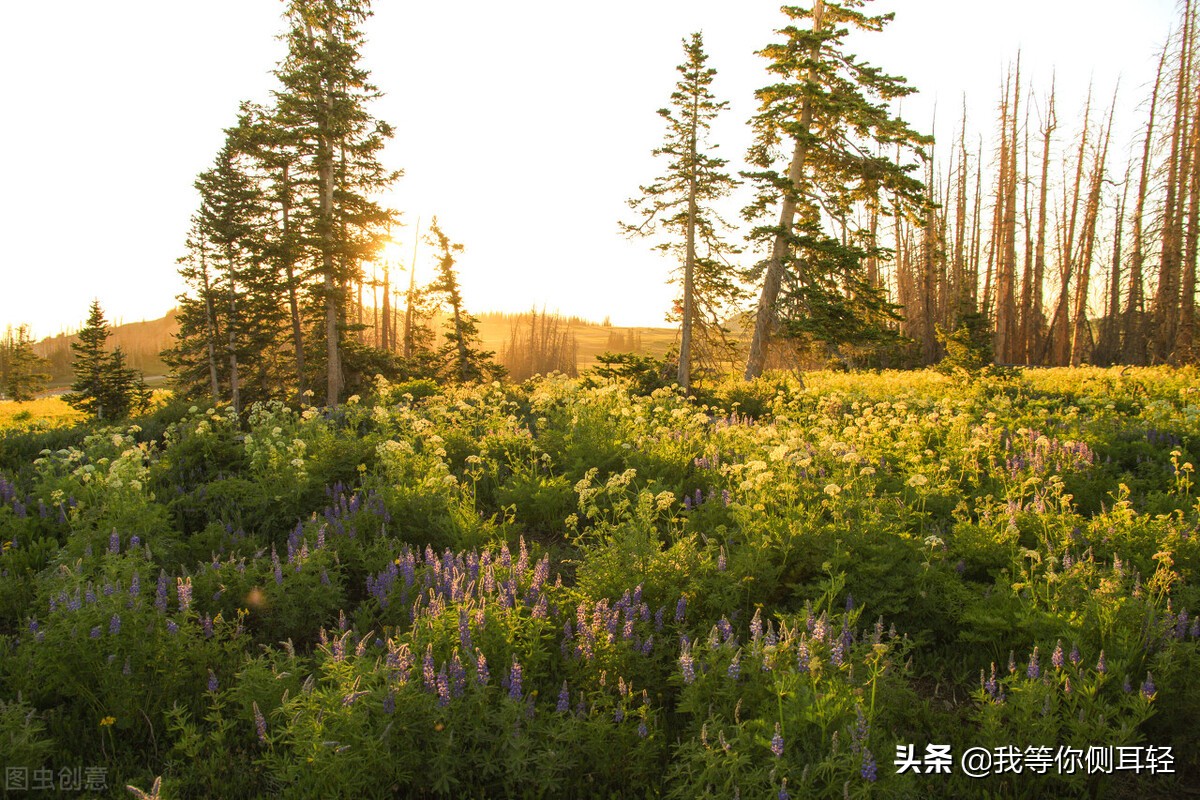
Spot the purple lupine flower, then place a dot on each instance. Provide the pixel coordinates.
(783, 792)
(389, 703)
(1126, 687)
(869, 770)
(481, 668)
(260, 723)
(619, 715)
(1148, 687)
(514, 679)
(212, 681)
(89, 596)
(777, 742)
(206, 624)
(642, 730)
(114, 543)
(658, 618)
(735, 667)
(726, 629)
(458, 676)
(820, 629)
(802, 656)
(838, 656)
(1056, 658)
(442, 682)
(464, 630)
(184, 591)
(114, 624)
(1075, 655)
(429, 677)
(95, 634)
(135, 541)
(990, 684)
(687, 666)
(1033, 670)
(564, 700)
(681, 608)
(135, 588)
(756, 626)
(1101, 664)
(171, 626)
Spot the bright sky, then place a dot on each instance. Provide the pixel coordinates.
(524, 126)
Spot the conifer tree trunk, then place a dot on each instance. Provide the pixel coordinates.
(1060, 325)
(1025, 325)
(1035, 344)
(689, 262)
(293, 290)
(764, 317)
(1133, 345)
(1187, 300)
(1081, 336)
(211, 325)
(1166, 298)
(1007, 203)
(1110, 337)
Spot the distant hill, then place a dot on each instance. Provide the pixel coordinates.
(144, 341)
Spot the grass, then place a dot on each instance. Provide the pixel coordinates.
(49, 412)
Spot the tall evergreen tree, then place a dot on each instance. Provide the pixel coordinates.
(20, 367)
(679, 202)
(323, 105)
(462, 358)
(104, 387)
(193, 359)
(833, 112)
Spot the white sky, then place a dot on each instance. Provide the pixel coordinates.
(524, 126)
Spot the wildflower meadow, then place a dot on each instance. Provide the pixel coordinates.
(874, 585)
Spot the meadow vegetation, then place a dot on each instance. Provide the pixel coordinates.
(563, 588)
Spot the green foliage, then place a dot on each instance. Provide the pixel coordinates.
(644, 374)
(570, 589)
(20, 367)
(828, 153)
(104, 387)
(968, 345)
(680, 203)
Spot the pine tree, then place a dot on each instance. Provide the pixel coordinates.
(833, 112)
(322, 104)
(22, 368)
(193, 358)
(104, 387)
(462, 358)
(679, 202)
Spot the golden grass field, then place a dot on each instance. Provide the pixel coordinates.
(43, 412)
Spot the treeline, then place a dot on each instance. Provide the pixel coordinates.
(288, 218)
(876, 246)
(867, 242)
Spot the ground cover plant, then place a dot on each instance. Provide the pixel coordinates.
(565, 589)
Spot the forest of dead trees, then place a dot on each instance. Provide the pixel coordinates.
(1045, 240)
